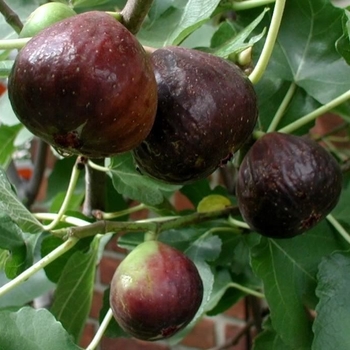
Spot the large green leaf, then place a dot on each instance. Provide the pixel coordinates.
(129, 182)
(332, 323)
(306, 53)
(170, 22)
(288, 270)
(269, 339)
(10, 204)
(74, 291)
(32, 329)
(343, 43)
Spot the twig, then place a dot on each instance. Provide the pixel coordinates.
(236, 338)
(47, 259)
(134, 13)
(154, 225)
(11, 17)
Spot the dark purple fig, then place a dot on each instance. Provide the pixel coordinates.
(86, 86)
(207, 109)
(286, 185)
(155, 291)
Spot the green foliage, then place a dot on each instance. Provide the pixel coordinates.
(332, 321)
(10, 204)
(128, 181)
(310, 61)
(28, 329)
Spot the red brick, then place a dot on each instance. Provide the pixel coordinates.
(88, 335)
(130, 344)
(237, 310)
(107, 268)
(181, 202)
(97, 302)
(231, 332)
(202, 335)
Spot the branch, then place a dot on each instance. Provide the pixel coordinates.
(11, 17)
(154, 225)
(134, 13)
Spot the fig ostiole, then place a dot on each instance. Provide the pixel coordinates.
(207, 109)
(86, 86)
(155, 291)
(287, 184)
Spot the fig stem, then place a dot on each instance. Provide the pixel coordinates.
(101, 330)
(246, 290)
(100, 215)
(9, 44)
(70, 190)
(249, 4)
(238, 223)
(271, 37)
(341, 230)
(67, 219)
(53, 255)
(282, 108)
(11, 17)
(134, 13)
(316, 113)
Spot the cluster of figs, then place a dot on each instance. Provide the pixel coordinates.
(87, 86)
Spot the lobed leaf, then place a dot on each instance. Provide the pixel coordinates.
(28, 328)
(10, 204)
(288, 271)
(74, 291)
(173, 21)
(129, 182)
(332, 323)
(308, 56)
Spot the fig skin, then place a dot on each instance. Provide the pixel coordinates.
(155, 291)
(286, 185)
(86, 86)
(207, 109)
(44, 16)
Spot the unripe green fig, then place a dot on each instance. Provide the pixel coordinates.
(155, 291)
(86, 86)
(207, 109)
(286, 185)
(44, 16)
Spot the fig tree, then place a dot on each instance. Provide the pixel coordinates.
(44, 16)
(207, 109)
(155, 291)
(86, 86)
(286, 185)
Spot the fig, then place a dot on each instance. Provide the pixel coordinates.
(286, 185)
(155, 291)
(207, 109)
(44, 16)
(86, 86)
